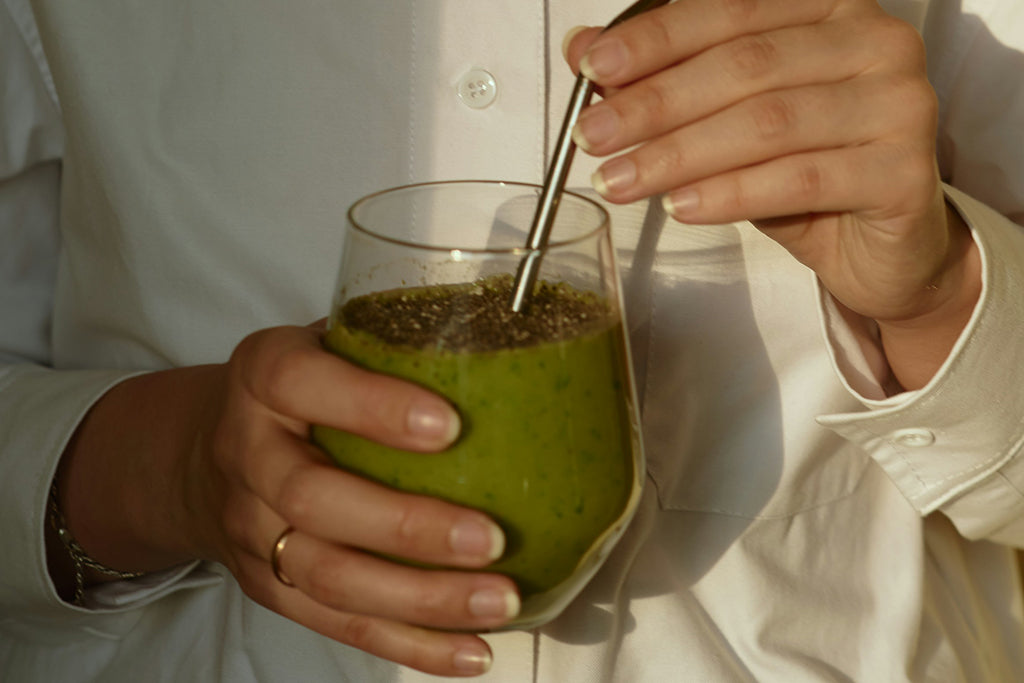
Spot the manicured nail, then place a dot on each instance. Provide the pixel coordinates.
(433, 419)
(472, 660)
(477, 538)
(604, 60)
(494, 603)
(680, 203)
(597, 125)
(614, 176)
(570, 34)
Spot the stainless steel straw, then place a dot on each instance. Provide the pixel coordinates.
(558, 171)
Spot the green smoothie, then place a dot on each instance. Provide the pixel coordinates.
(547, 441)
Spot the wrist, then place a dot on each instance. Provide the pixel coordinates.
(66, 558)
(121, 477)
(916, 347)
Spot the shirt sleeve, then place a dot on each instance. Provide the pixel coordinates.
(39, 407)
(956, 444)
(31, 145)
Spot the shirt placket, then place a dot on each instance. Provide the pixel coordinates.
(478, 93)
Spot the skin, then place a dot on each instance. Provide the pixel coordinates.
(228, 467)
(812, 117)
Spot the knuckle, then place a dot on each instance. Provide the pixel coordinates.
(660, 32)
(296, 499)
(408, 528)
(751, 57)
(360, 631)
(808, 182)
(902, 42)
(429, 604)
(654, 102)
(919, 174)
(382, 404)
(281, 371)
(256, 347)
(739, 12)
(325, 583)
(269, 362)
(773, 116)
(912, 107)
(378, 394)
(249, 345)
(918, 101)
(895, 44)
(667, 163)
(733, 197)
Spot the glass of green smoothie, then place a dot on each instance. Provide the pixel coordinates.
(550, 446)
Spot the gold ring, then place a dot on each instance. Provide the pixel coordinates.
(275, 556)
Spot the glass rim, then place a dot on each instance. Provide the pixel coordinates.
(515, 251)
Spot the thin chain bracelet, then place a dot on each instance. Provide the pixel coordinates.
(79, 557)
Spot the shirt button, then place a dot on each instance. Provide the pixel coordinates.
(477, 89)
(913, 438)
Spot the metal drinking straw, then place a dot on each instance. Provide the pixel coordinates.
(558, 171)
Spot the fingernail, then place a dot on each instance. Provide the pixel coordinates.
(570, 34)
(477, 538)
(494, 603)
(603, 60)
(596, 126)
(472, 660)
(614, 177)
(433, 419)
(680, 203)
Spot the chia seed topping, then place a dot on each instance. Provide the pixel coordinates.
(475, 316)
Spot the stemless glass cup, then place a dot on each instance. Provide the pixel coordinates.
(550, 446)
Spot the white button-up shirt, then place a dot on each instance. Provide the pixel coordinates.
(797, 524)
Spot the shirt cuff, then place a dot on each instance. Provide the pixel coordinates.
(39, 411)
(961, 434)
(138, 592)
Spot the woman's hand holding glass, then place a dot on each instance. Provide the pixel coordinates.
(281, 382)
(229, 467)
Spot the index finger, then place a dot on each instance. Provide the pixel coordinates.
(288, 370)
(664, 36)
